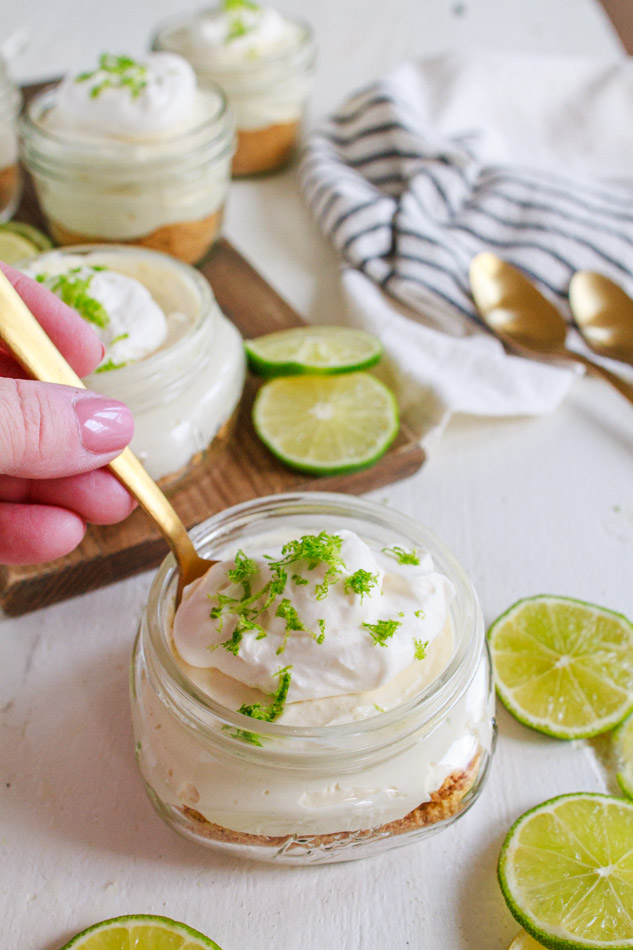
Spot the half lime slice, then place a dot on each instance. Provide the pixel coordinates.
(19, 241)
(140, 932)
(312, 349)
(326, 425)
(566, 872)
(562, 666)
(623, 748)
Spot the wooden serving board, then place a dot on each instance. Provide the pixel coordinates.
(243, 470)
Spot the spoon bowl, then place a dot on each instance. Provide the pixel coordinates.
(39, 357)
(603, 313)
(524, 320)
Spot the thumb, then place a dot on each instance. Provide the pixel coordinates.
(50, 431)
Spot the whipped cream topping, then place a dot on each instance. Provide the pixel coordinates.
(121, 310)
(345, 624)
(226, 37)
(124, 98)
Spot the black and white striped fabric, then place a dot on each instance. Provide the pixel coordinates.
(409, 204)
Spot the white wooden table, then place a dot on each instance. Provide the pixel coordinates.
(529, 506)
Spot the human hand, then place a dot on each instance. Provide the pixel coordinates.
(55, 441)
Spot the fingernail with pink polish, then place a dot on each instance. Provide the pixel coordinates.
(105, 425)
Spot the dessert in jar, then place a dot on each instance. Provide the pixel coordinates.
(170, 353)
(264, 61)
(322, 693)
(132, 152)
(10, 181)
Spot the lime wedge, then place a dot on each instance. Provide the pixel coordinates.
(523, 941)
(326, 425)
(623, 748)
(19, 241)
(566, 872)
(140, 932)
(323, 350)
(562, 666)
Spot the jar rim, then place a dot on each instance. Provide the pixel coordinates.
(215, 129)
(306, 43)
(427, 704)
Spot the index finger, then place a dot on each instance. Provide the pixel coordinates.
(75, 338)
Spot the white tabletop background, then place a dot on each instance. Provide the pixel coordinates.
(528, 505)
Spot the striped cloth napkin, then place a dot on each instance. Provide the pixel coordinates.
(528, 157)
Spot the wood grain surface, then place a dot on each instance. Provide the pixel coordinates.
(244, 468)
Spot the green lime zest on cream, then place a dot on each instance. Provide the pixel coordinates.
(419, 648)
(287, 612)
(382, 630)
(109, 365)
(275, 708)
(402, 556)
(361, 582)
(73, 288)
(121, 72)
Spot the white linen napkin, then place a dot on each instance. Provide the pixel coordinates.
(530, 157)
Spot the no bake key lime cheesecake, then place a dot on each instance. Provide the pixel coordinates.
(134, 151)
(344, 703)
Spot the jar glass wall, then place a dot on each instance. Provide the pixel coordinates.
(10, 179)
(296, 794)
(166, 193)
(184, 395)
(268, 92)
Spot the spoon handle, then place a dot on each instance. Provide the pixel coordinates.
(40, 358)
(625, 389)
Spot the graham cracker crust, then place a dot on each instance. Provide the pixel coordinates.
(187, 240)
(445, 803)
(9, 184)
(264, 150)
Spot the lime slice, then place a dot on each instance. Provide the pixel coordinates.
(19, 241)
(523, 941)
(323, 350)
(562, 666)
(566, 872)
(326, 425)
(140, 932)
(623, 748)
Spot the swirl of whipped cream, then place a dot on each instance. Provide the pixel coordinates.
(232, 36)
(340, 642)
(128, 321)
(145, 98)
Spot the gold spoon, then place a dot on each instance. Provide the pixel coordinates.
(40, 358)
(524, 319)
(603, 312)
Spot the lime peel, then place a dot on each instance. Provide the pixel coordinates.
(321, 350)
(563, 666)
(566, 872)
(143, 932)
(19, 241)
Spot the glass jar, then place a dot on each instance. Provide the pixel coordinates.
(165, 193)
(184, 395)
(10, 178)
(303, 795)
(268, 93)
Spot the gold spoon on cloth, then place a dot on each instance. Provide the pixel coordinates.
(40, 358)
(524, 319)
(603, 313)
